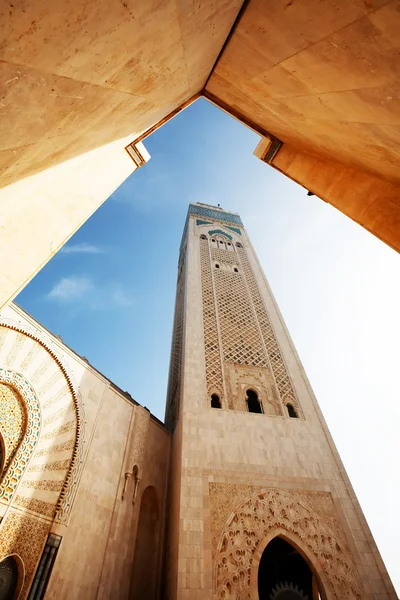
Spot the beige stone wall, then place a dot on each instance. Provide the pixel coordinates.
(41, 212)
(122, 450)
(230, 456)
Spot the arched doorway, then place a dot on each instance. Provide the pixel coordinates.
(283, 574)
(145, 563)
(8, 578)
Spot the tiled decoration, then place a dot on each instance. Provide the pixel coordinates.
(214, 214)
(219, 232)
(12, 421)
(52, 442)
(23, 454)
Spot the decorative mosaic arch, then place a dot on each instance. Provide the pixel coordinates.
(16, 380)
(261, 517)
(30, 438)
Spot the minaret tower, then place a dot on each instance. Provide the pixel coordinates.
(260, 505)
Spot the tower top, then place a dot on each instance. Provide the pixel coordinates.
(213, 212)
(208, 214)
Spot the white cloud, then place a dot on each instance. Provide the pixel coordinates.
(70, 288)
(84, 293)
(119, 297)
(82, 248)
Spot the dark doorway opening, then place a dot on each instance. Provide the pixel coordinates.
(283, 574)
(253, 403)
(215, 401)
(8, 578)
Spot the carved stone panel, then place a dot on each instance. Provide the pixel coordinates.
(242, 377)
(308, 517)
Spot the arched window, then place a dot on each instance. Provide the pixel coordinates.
(217, 266)
(215, 401)
(236, 269)
(253, 403)
(203, 237)
(292, 411)
(239, 245)
(8, 578)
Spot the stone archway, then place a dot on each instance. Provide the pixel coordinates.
(22, 448)
(262, 517)
(144, 583)
(317, 582)
(47, 457)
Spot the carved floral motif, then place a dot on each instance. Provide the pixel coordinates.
(256, 518)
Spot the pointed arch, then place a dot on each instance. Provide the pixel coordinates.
(144, 582)
(18, 381)
(263, 516)
(18, 463)
(300, 547)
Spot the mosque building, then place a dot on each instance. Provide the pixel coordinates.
(239, 495)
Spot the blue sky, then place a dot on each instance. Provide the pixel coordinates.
(110, 292)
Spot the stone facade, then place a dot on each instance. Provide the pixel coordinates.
(78, 456)
(247, 478)
(112, 504)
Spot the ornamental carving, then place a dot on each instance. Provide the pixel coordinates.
(256, 518)
(141, 425)
(275, 357)
(239, 378)
(29, 441)
(12, 421)
(25, 536)
(31, 401)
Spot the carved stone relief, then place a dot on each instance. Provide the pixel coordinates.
(25, 536)
(309, 517)
(242, 377)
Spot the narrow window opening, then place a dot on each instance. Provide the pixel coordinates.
(253, 403)
(238, 245)
(236, 269)
(203, 237)
(292, 411)
(217, 266)
(215, 401)
(45, 567)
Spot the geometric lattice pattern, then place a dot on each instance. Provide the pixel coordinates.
(278, 367)
(211, 340)
(241, 340)
(174, 380)
(236, 320)
(12, 421)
